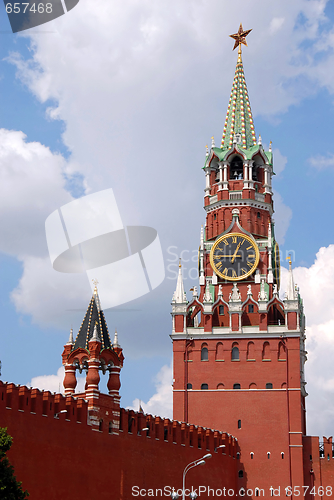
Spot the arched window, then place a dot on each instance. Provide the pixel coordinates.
(238, 455)
(282, 455)
(251, 308)
(269, 385)
(268, 454)
(251, 351)
(219, 351)
(253, 385)
(204, 354)
(204, 387)
(236, 168)
(189, 386)
(235, 353)
(266, 351)
(221, 310)
(220, 387)
(241, 473)
(236, 386)
(239, 424)
(252, 455)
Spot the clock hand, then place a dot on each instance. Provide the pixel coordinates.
(235, 253)
(229, 255)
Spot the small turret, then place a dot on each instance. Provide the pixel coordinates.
(179, 296)
(115, 343)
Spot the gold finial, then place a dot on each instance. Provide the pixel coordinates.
(240, 37)
(95, 283)
(289, 259)
(180, 262)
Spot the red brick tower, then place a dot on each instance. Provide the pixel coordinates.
(92, 352)
(238, 348)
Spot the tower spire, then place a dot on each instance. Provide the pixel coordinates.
(290, 293)
(179, 294)
(239, 120)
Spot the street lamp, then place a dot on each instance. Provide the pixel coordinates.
(61, 411)
(193, 494)
(220, 446)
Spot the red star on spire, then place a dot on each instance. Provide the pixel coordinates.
(240, 37)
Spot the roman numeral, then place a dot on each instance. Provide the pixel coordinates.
(234, 274)
(251, 256)
(249, 264)
(234, 239)
(243, 270)
(226, 242)
(218, 265)
(225, 272)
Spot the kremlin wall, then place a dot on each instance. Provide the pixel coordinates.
(239, 388)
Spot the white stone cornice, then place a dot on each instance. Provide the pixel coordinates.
(239, 203)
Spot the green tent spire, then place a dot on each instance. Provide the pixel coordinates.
(239, 119)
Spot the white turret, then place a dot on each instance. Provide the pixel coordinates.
(95, 336)
(179, 296)
(115, 343)
(70, 340)
(291, 293)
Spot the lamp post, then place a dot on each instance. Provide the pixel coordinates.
(220, 446)
(61, 411)
(191, 465)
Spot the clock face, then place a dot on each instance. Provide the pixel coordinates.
(234, 256)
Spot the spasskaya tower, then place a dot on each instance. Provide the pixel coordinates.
(238, 348)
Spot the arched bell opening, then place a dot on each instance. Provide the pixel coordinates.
(257, 169)
(236, 168)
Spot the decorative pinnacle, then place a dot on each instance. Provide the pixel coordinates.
(240, 37)
(95, 337)
(115, 343)
(212, 142)
(70, 340)
(290, 262)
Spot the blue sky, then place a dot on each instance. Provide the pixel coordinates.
(127, 96)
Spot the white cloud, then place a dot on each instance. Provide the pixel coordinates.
(50, 297)
(161, 403)
(321, 162)
(32, 184)
(54, 383)
(276, 24)
(317, 291)
(280, 161)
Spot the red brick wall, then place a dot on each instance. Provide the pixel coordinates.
(60, 458)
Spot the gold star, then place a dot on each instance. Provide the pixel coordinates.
(240, 37)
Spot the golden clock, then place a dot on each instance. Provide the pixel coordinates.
(234, 256)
